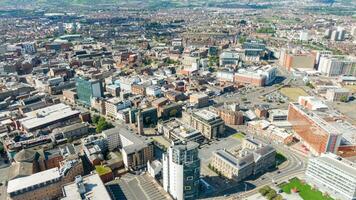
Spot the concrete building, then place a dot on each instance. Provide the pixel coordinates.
(87, 89)
(333, 175)
(113, 138)
(175, 129)
(229, 58)
(199, 100)
(114, 105)
(340, 94)
(181, 171)
(331, 66)
(297, 60)
(256, 76)
(136, 151)
(251, 161)
(73, 131)
(87, 187)
(277, 115)
(47, 116)
(207, 122)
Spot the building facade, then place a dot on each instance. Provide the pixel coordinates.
(87, 89)
(333, 175)
(207, 122)
(181, 171)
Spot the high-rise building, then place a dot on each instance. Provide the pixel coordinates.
(337, 65)
(334, 175)
(181, 171)
(87, 89)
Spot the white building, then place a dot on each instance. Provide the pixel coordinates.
(337, 94)
(87, 187)
(229, 58)
(181, 171)
(333, 175)
(113, 138)
(114, 105)
(336, 65)
(304, 36)
(153, 90)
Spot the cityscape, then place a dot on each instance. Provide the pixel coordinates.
(177, 100)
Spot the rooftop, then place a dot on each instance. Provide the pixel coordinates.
(19, 184)
(93, 188)
(47, 115)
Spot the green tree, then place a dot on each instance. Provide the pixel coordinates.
(95, 119)
(103, 125)
(263, 191)
(271, 194)
(278, 197)
(343, 99)
(309, 85)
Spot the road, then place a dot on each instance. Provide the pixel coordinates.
(294, 166)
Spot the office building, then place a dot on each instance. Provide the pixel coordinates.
(181, 171)
(332, 66)
(291, 60)
(88, 89)
(136, 151)
(333, 175)
(252, 159)
(114, 105)
(229, 58)
(175, 129)
(207, 122)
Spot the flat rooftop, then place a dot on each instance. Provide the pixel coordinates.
(47, 115)
(19, 184)
(94, 189)
(346, 166)
(206, 115)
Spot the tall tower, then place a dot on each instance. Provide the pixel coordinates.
(181, 171)
(139, 123)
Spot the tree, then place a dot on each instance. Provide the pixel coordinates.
(95, 119)
(263, 191)
(278, 197)
(309, 85)
(343, 99)
(271, 194)
(102, 125)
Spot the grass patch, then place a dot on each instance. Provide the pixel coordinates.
(305, 190)
(239, 136)
(293, 93)
(101, 169)
(280, 158)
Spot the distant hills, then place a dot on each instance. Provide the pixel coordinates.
(155, 4)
